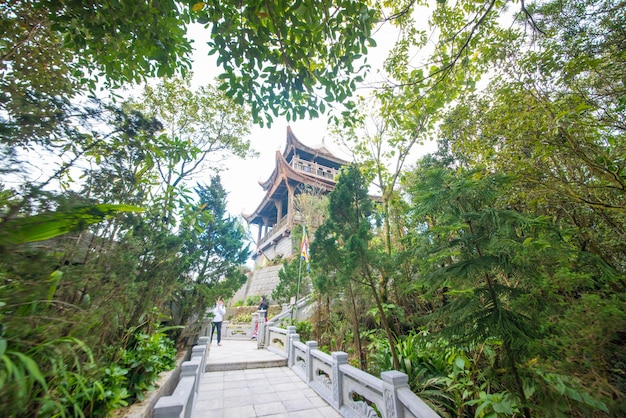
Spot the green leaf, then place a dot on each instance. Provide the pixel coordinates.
(459, 362)
(55, 278)
(49, 225)
(32, 368)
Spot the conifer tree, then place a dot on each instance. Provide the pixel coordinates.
(343, 246)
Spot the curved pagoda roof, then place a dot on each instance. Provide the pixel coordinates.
(284, 173)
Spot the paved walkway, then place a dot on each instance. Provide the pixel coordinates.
(244, 382)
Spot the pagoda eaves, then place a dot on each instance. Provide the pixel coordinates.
(296, 166)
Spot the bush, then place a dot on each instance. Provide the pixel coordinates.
(58, 378)
(304, 329)
(147, 356)
(242, 318)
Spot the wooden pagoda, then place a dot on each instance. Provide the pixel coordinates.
(297, 166)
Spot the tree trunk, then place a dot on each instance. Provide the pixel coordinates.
(357, 332)
(383, 320)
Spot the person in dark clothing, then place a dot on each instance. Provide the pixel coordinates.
(263, 308)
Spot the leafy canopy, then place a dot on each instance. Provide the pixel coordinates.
(288, 59)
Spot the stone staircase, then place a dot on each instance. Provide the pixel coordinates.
(241, 355)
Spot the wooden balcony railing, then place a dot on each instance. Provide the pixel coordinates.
(313, 168)
(275, 230)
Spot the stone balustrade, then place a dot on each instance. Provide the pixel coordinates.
(275, 339)
(276, 342)
(351, 391)
(180, 403)
(313, 168)
(239, 330)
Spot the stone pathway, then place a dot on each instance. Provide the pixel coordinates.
(261, 390)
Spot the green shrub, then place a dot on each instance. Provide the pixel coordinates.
(304, 329)
(242, 318)
(56, 378)
(115, 390)
(425, 363)
(147, 356)
(20, 376)
(462, 382)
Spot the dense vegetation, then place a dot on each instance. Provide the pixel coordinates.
(492, 272)
(114, 234)
(90, 317)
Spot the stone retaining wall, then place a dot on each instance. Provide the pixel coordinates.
(260, 282)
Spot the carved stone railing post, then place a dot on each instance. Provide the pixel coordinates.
(261, 338)
(392, 381)
(207, 323)
(180, 403)
(192, 368)
(291, 353)
(291, 337)
(339, 358)
(200, 351)
(291, 330)
(225, 328)
(255, 327)
(310, 345)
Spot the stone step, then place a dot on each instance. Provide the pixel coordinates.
(241, 355)
(242, 365)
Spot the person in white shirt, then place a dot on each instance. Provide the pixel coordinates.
(218, 316)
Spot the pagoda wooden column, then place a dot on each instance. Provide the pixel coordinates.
(258, 238)
(279, 209)
(265, 225)
(290, 193)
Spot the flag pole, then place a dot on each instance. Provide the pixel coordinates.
(304, 250)
(298, 286)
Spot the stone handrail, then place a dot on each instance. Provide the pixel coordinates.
(272, 324)
(180, 403)
(275, 339)
(353, 392)
(238, 331)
